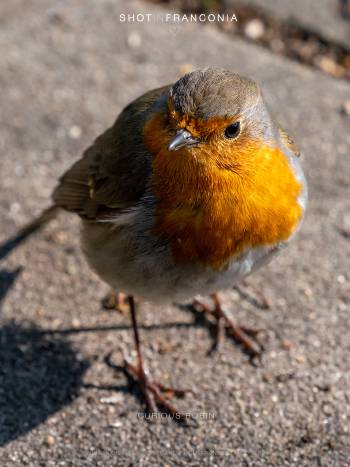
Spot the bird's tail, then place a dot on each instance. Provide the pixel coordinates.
(32, 227)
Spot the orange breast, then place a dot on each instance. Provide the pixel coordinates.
(215, 202)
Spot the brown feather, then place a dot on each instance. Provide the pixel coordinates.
(113, 172)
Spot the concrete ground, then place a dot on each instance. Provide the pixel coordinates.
(67, 69)
(324, 17)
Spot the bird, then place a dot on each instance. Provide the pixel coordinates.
(194, 187)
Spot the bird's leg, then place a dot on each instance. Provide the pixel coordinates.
(154, 392)
(242, 334)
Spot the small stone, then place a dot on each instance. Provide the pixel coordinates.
(116, 424)
(134, 40)
(300, 358)
(307, 50)
(267, 377)
(345, 109)
(327, 409)
(341, 279)
(308, 292)
(328, 65)
(40, 311)
(254, 29)
(75, 132)
(49, 441)
(286, 344)
(116, 399)
(164, 347)
(71, 268)
(15, 208)
(344, 225)
(76, 323)
(60, 237)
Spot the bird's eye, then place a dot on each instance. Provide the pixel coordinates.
(232, 131)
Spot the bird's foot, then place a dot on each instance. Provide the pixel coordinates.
(156, 394)
(247, 337)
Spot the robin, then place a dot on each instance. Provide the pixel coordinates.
(193, 188)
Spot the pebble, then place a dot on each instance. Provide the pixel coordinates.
(164, 347)
(116, 399)
(76, 323)
(254, 29)
(71, 268)
(345, 109)
(116, 424)
(327, 409)
(49, 441)
(60, 237)
(312, 316)
(75, 132)
(134, 40)
(308, 292)
(341, 279)
(15, 208)
(40, 311)
(329, 66)
(300, 358)
(286, 344)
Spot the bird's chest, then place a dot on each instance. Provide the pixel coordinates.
(197, 233)
(210, 214)
(222, 224)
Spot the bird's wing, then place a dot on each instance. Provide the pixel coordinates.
(288, 141)
(113, 172)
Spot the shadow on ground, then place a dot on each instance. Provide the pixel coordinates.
(7, 280)
(39, 374)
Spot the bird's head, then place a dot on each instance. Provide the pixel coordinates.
(212, 117)
(218, 116)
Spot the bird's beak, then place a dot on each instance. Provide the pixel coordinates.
(181, 139)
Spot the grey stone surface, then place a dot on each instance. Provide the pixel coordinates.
(66, 71)
(322, 16)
